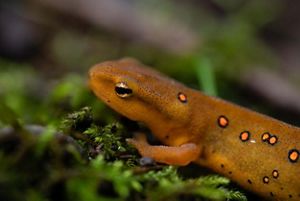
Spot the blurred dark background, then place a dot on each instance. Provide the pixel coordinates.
(243, 51)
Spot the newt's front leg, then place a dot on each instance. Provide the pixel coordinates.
(179, 155)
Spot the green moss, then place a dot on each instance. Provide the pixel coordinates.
(168, 185)
(108, 141)
(91, 162)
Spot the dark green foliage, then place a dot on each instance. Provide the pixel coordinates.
(35, 165)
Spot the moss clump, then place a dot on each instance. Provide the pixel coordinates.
(85, 161)
(107, 141)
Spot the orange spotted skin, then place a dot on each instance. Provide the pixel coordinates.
(256, 151)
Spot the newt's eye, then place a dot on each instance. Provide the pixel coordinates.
(182, 97)
(122, 90)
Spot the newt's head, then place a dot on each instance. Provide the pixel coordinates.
(138, 92)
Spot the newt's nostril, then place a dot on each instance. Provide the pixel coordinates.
(91, 73)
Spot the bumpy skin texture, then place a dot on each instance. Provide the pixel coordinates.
(256, 151)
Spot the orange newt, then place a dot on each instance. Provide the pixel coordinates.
(256, 151)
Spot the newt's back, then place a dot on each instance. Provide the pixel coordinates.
(258, 152)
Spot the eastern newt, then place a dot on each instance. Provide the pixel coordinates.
(256, 151)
